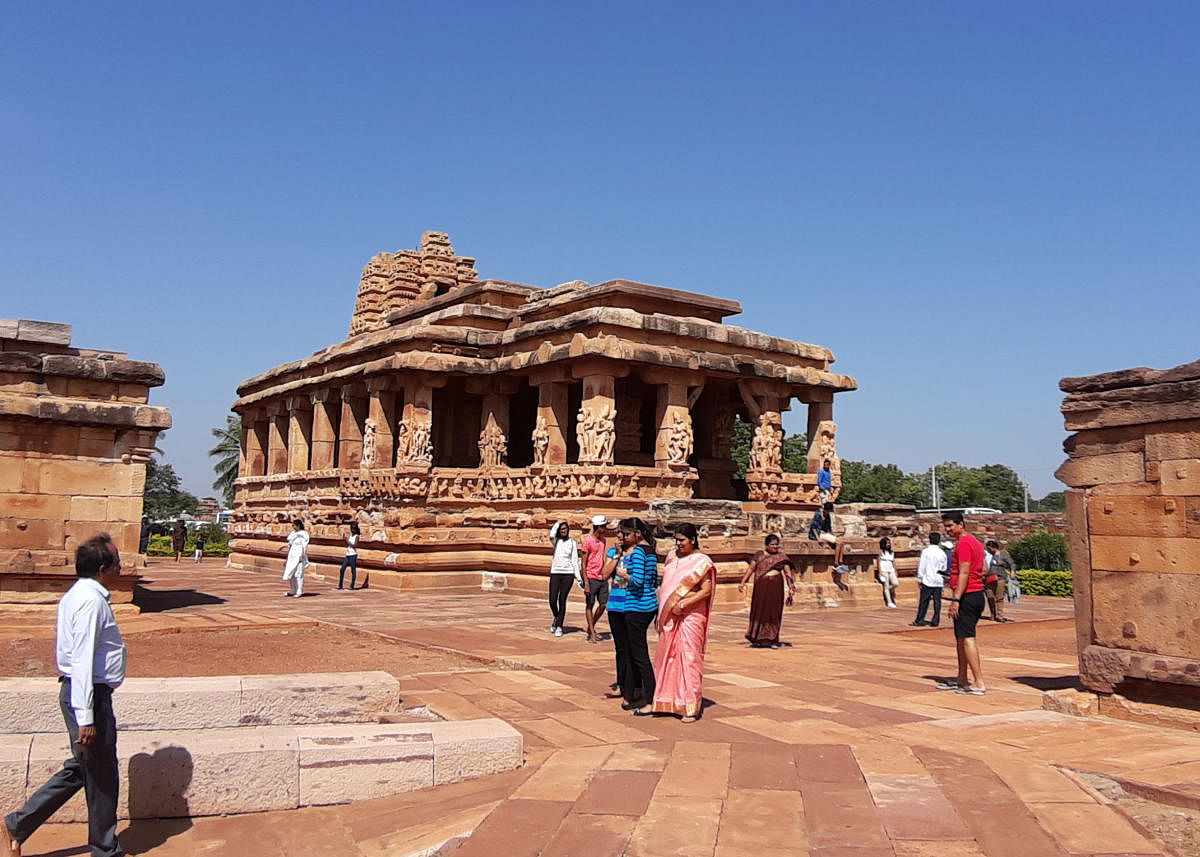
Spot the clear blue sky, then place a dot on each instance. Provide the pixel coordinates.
(964, 201)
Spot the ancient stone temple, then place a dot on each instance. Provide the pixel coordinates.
(463, 416)
(1133, 517)
(75, 435)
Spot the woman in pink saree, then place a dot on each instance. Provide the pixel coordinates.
(685, 600)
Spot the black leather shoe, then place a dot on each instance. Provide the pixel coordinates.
(629, 706)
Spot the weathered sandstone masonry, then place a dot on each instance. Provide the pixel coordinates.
(75, 434)
(463, 416)
(1133, 512)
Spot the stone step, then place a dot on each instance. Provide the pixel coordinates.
(255, 769)
(212, 702)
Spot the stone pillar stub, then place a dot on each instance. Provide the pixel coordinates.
(277, 443)
(324, 434)
(299, 432)
(596, 428)
(381, 413)
(548, 439)
(673, 438)
(818, 412)
(350, 428)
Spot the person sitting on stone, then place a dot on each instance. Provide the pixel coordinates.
(820, 529)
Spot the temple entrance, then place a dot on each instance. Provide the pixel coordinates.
(522, 414)
(456, 423)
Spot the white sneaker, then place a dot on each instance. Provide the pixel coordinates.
(893, 607)
(553, 628)
(558, 632)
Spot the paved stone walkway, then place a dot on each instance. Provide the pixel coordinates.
(836, 745)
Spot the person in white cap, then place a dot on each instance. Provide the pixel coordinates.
(595, 585)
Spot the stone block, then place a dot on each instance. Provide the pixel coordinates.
(20, 362)
(31, 534)
(1163, 517)
(48, 507)
(8, 328)
(340, 764)
(1116, 467)
(1079, 545)
(1146, 612)
(88, 509)
(202, 702)
(136, 372)
(74, 367)
(466, 749)
(209, 771)
(86, 478)
(47, 753)
(14, 764)
(1174, 440)
(43, 332)
(29, 705)
(317, 698)
(1146, 554)
(1079, 703)
(1179, 476)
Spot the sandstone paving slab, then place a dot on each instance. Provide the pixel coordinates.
(1092, 828)
(607, 728)
(762, 821)
(516, 828)
(1037, 783)
(838, 815)
(618, 792)
(638, 757)
(739, 680)
(753, 766)
(995, 816)
(557, 734)
(827, 763)
(564, 775)
(676, 827)
(884, 755)
(696, 768)
(318, 697)
(961, 848)
(587, 835)
(913, 807)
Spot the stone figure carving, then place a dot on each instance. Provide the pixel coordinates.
(679, 441)
(401, 441)
(368, 444)
(420, 446)
(493, 446)
(541, 440)
(766, 450)
(826, 447)
(596, 433)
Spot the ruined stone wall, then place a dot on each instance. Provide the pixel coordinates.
(1133, 512)
(75, 435)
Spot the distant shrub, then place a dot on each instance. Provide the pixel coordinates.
(159, 546)
(1041, 550)
(1035, 582)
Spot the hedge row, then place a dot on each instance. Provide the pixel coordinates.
(1035, 582)
(161, 546)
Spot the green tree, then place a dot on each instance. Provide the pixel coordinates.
(227, 452)
(863, 482)
(795, 454)
(164, 496)
(1055, 501)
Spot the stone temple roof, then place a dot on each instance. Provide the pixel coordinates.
(427, 310)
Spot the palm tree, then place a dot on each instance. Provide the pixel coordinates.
(227, 452)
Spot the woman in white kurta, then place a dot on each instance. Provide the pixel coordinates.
(297, 559)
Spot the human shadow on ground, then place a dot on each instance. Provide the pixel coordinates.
(158, 806)
(161, 600)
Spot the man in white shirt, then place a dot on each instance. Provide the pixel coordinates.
(91, 664)
(931, 574)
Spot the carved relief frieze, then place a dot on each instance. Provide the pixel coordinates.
(826, 446)
(541, 440)
(784, 488)
(766, 449)
(679, 441)
(493, 446)
(596, 433)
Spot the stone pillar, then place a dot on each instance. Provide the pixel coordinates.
(350, 429)
(416, 442)
(673, 440)
(324, 436)
(277, 443)
(818, 412)
(551, 419)
(299, 432)
(254, 455)
(766, 448)
(382, 412)
(597, 427)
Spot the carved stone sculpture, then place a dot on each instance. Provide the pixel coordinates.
(493, 446)
(368, 445)
(541, 441)
(605, 431)
(420, 446)
(826, 446)
(766, 450)
(679, 442)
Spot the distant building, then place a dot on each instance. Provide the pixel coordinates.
(207, 510)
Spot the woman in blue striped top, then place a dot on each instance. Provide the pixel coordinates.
(634, 570)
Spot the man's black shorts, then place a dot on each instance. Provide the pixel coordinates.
(596, 589)
(970, 608)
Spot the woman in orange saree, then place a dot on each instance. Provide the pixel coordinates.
(685, 601)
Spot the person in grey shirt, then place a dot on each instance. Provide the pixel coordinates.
(91, 664)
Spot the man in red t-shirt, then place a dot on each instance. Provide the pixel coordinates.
(595, 587)
(966, 604)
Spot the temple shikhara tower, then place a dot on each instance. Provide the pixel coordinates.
(462, 417)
